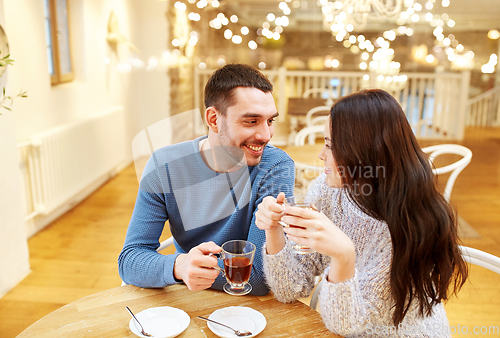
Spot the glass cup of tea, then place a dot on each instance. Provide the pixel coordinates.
(238, 258)
(310, 202)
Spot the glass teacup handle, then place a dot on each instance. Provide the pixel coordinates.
(219, 255)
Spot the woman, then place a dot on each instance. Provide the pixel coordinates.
(386, 241)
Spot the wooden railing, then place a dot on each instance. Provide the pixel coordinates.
(434, 103)
(484, 109)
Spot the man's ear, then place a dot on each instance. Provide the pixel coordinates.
(211, 117)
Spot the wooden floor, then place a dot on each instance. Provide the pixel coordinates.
(77, 255)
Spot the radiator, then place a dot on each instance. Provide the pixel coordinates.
(64, 160)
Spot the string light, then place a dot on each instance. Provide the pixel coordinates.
(489, 67)
(342, 21)
(493, 34)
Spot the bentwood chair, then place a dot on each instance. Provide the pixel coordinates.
(455, 168)
(311, 121)
(470, 255)
(310, 131)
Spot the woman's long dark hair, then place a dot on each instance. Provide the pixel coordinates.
(388, 176)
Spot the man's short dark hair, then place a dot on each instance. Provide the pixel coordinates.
(219, 90)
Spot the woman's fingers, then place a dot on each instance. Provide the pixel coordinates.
(301, 212)
(310, 223)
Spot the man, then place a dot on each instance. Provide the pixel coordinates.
(209, 188)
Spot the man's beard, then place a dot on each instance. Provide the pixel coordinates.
(228, 155)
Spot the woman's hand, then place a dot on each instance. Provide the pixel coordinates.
(315, 230)
(267, 218)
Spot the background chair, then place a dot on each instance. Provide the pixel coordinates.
(311, 121)
(304, 176)
(470, 255)
(481, 258)
(166, 243)
(455, 168)
(310, 131)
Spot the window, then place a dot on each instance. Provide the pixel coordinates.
(58, 41)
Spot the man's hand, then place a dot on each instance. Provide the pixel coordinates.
(196, 268)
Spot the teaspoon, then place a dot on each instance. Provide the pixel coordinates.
(236, 332)
(138, 322)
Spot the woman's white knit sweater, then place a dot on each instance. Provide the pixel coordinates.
(363, 305)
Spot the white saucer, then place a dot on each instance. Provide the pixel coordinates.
(161, 322)
(239, 317)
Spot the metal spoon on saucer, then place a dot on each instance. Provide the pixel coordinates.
(138, 322)
(236, 332)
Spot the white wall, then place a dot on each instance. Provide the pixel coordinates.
(96, 86)
(144, 94)
(14, 260)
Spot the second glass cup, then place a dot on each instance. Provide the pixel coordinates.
(238, 258)
(310, 202)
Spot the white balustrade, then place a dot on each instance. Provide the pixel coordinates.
(484, 109)
(434, 103)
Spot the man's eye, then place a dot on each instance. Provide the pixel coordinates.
(251, 122)
(271, 121)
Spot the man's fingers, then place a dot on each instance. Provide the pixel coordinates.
(199, 284)
(208, 247)
(197, 276)
(204, 261)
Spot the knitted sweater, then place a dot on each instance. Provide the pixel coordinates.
(361, 306)
(201, 205)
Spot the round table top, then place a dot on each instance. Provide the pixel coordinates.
(104, 315)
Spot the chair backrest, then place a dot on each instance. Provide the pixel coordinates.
(166, 243)
(481, 258)
(304, 176)
(309, 116)
(455, 168)
(307, 131)
(470, 255)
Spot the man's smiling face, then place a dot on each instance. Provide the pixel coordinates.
(248, 124)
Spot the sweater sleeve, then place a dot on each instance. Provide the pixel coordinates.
(139, 263)
(291, 275)
(348, 307)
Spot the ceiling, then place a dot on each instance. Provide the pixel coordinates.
(468, 14)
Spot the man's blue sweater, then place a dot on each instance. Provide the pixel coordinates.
(201, 205)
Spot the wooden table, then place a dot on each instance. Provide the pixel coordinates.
(104, 315)
(298, 106)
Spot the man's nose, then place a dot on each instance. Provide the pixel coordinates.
(265, 133)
